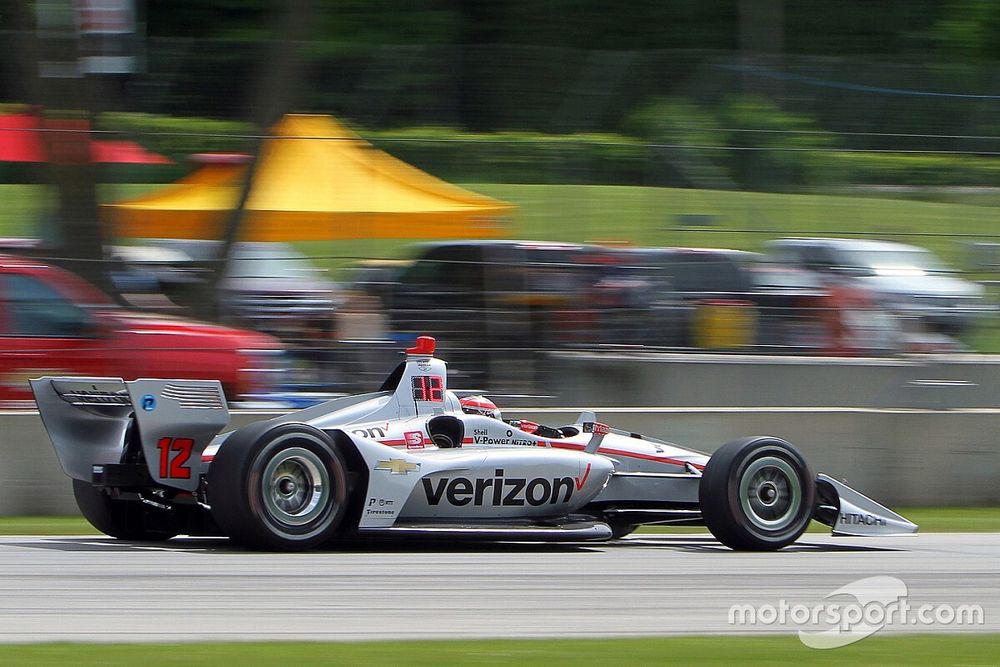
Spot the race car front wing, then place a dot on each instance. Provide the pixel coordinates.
(850, 512)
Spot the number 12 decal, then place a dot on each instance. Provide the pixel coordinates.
(174, 455)
(428, 388)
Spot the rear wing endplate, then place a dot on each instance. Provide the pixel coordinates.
(87, 420)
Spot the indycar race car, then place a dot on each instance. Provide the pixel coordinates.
(415, 458)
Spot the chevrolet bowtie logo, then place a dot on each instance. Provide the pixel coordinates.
(397, 466)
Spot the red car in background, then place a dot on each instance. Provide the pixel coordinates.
(54, 323)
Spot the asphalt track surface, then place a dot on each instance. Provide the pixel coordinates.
(98, 589)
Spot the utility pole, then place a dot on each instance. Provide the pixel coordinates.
(278, 87)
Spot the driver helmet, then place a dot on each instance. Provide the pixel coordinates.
(480, 405)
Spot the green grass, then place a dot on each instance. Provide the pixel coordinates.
(930, 520)
(45, 525)
(23, 207)
(26, 206)
(653, 217)
(953, 649)
(742, 220)
(954, 519)
(647, 216)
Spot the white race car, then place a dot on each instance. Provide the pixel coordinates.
(415, 458)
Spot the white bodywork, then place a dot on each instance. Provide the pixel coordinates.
(493, 476)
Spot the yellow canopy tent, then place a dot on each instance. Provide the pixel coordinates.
(315, 180)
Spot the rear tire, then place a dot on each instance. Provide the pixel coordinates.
(757, 494)
(121, 519)
(281, 488)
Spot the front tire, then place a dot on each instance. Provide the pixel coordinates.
(281, 488)
(757, 494)
(121, 519)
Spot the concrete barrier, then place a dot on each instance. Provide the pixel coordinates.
(900, 456)
(683, 380)
(903, 457)
(31, 480)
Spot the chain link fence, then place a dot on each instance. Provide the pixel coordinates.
(618, 149)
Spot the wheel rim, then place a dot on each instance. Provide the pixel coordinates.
(770, 493)
(295, 487)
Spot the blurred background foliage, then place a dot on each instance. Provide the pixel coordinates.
(886, 99)
(201, 53)
(894, 27)
(748, 94)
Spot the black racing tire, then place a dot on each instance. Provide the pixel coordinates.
(279, 488)
(121, 519)
(757, 494)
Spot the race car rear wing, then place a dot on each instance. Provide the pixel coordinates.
(87, 420)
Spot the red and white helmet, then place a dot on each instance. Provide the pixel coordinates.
(480, 405)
